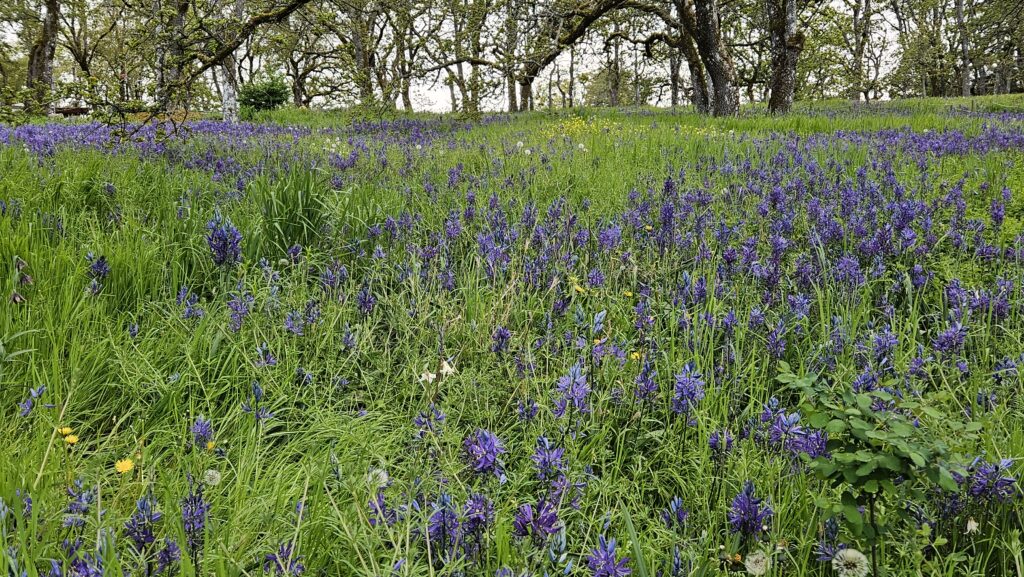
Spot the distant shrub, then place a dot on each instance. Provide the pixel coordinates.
(265, 94)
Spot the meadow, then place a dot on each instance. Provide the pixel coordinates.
(597, 342)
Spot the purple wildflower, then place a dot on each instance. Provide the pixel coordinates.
(224, 240)
(574, 389)
(500, 339)
(194, 510)
(202, 432)
(603, 562)
(284, 562)
(689, 391)
(747, 515)
(539, 523)
(484, 450)
(548, 459)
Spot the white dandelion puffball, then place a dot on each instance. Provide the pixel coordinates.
(212, 477)
(519, 144)
(758, 563)
(851, 563)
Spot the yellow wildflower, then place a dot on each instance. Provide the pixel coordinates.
(65, 431)
(635, 355)
(210, 445)
(71, 439)
(124, 465)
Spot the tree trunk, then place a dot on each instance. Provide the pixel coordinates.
(572, 76)
(701, 96)
(229, 70)
(161, 54)
(786, 44)
(526, 94)
(298, 80)
(363, 59)
(616, 71)
(511, 40)
(451, 93)
(40, 61)
(513, 100)
(861, 33)
(965, 55)
(716, 61)
(229, 90)
(673, 76)
(176, 54)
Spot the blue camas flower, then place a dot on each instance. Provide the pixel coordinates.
(575, 390)
(689, 390)
(484, 450)
(749, 515)
(603, 562)
(141, 525)
(284, 562)
(194, 510)
(500, 339)
(224, 240)
(537, 523)
(202, 433)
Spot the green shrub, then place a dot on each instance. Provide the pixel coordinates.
(265, 94)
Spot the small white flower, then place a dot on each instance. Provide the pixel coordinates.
(212, 477)
(851, 563)
(377, 478)
(527, 152)
(428, 377)
(758, 563)
(583, 148)
(419, 147)
(446, 368)
(519, 144)
(972, 527)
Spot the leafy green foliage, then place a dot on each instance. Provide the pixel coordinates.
(266, 94)
(879, 448)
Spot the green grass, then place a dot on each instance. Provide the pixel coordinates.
(138, 397)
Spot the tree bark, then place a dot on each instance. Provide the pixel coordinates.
(673, 76)
(786, 44)
(862, 13)
(229, 90)
(572, 76)
(174, 96)
(40, 61)
(965, 54)
(511, 40)
(229, 71)
(701, 96)
(526, 94)
(615, 84)
(716, 60)
(362, 52)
